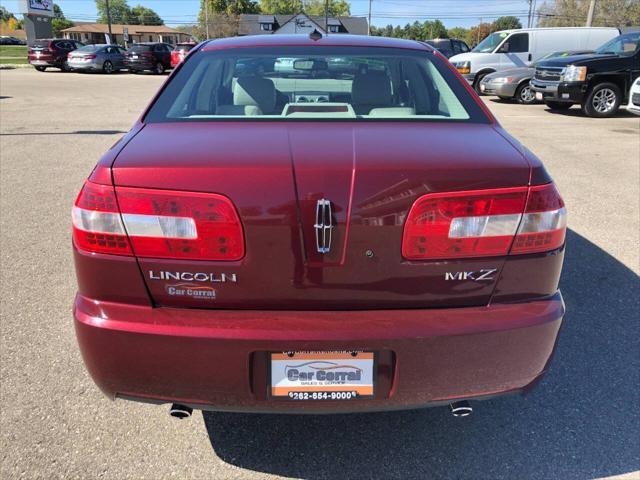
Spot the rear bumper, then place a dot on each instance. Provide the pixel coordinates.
(218, 359)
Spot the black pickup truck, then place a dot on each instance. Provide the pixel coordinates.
(599, 82)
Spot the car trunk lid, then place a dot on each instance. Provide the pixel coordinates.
(279, 175)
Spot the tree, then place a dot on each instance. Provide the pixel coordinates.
(434, 29)
(140, 15)
(119, 9)
(507, 23)
(59, 22)
(5, 14)
(573, 13)
(478, 33)
(311, 7)
(458, 32)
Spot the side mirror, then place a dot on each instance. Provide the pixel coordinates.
(504, 48)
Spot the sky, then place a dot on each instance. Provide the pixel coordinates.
(453, 13)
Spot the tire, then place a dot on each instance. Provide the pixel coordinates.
(159, 68)
(41, 69)
(476, 82)
(558, 105)
(107, 67)
(603, 100)
(524, 94)
(65, 67)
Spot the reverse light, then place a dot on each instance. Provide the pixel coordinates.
(575, 74)
(484, 223)
(158, 223)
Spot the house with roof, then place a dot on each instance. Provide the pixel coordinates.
(99, 32)
(251, 24)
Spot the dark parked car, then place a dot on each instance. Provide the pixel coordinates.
(514, 82)
(179, 52)
(314, 244)
(449, 46)
(6, 40)
(155, 57)
(598, 82)
(52, 53)
(97, 58)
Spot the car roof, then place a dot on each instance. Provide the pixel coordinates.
(306, 40)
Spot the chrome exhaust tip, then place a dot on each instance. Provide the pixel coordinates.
(180, 411)
(460, 409)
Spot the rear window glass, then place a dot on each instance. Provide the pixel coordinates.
(315, 83)
(140, 48)
(183, 47)
(41, 43)
(90, 48)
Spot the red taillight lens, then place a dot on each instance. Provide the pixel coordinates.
(97, 226)
(157, 223)
(172, 224)
(483, 223)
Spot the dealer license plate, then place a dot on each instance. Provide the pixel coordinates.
(322, 375)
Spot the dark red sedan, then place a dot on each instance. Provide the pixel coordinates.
(354, 233)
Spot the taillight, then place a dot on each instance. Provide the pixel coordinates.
(484, 223)
(544, 223)
(172, 224)
(97, 226)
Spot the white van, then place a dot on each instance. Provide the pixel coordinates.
(520, 48)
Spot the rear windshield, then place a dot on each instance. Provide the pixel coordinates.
(184, 47)
(140, 48)
(41, 43)
(89, 48)
(315, 83)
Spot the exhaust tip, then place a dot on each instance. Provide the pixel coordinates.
(460, 409)
(180, 411)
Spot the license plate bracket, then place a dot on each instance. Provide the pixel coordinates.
(322, 375)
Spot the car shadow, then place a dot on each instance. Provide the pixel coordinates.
(76, 132)
(582, 420)
(576, 111)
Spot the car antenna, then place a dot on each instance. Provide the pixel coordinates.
(315, 35)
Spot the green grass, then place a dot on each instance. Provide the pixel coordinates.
(13, 61)
(15, 51)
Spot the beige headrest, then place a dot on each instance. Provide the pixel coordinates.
(372, 88)
(256, 91)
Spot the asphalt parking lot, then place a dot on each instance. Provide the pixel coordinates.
(581, 422)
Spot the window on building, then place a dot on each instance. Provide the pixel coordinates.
(267, 27)
(151, 38)
(334, 28)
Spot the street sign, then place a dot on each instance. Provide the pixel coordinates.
(125, 34)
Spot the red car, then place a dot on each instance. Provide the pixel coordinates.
(43, 54)
(179, 52)
(326, 239)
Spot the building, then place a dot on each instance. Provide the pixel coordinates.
(300, 23)
(99, 32)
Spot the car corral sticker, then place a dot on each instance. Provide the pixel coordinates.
(322, 375)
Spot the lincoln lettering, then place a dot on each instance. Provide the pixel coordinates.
(193, 277)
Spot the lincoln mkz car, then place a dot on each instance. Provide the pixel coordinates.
(353, 235)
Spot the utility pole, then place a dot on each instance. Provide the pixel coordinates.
(592, 7)
(206, 17)
(106, 4)
(369, 22)
(478, 34)
(530, 10)
(326, 17)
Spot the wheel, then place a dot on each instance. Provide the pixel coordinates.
(558, 105)
(476, 82)
(159, 70)
(107, 67)
(603, 100)
(65, 67)
(524, 94)
(41, 69)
